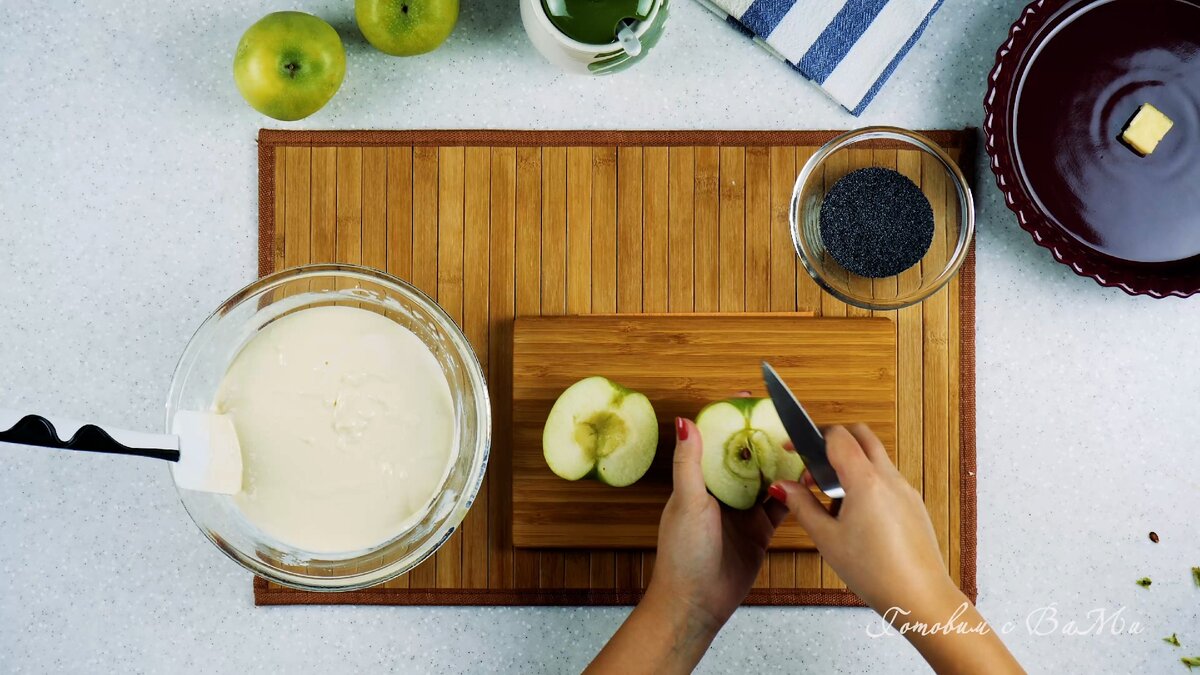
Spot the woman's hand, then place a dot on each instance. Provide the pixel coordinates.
(882, 544)
(707, 559)
(708, 556)
(881, 541)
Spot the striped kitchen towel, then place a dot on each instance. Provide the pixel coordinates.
(848, 47)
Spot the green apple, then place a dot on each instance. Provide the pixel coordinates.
(601, 430)
(406, 27)
(743, 450)
(289, 64)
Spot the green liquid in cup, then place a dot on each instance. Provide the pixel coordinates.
(595, 22)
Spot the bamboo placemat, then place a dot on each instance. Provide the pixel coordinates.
(497, 224)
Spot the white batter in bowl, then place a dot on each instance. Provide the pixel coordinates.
(365, 425)
(346, 427)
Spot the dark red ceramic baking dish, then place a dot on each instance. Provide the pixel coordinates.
(1066, 81)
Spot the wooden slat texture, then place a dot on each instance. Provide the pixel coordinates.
(577, 564)
(953, 397)
(935, 336)
(781, 565)
(280, 189)
(808, 293)
(399, 211)
(731, 256)
(808, 298)
(450, 297)
(425, 219)
(783, 258)
(655, 271)
(707, 216)
(681, 231)
(296, 207)
(909, 363)
(655, 167)
(844, 367)
(551, 564)
(475, 324)
(680, 284)
(349, 205)
(424, 275)
(629, 296)
(603, 573)
(758, 230)
(629, 229)
(323, 205)
(501, 308)
(374, 208)
(836, 167)
(758, 257)
(528, 299)
(518, 229)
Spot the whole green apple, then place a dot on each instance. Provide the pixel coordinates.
(406, 27)
(289, 64)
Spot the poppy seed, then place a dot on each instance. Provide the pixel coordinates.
(876, 223)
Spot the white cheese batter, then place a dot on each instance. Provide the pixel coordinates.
(346, 425)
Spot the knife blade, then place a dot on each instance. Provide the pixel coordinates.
(806, 438)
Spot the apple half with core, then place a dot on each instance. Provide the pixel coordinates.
(406, 27)
(289, 64)
(743, 450)
(601, 430)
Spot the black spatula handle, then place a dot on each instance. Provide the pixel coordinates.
(38, 431)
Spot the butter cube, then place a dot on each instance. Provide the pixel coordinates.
(1146, 129)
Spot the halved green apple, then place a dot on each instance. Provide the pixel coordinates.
(601, 430)
(743, 450)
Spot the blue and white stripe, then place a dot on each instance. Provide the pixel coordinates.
(848, 47)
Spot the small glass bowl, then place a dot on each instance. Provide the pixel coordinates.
(221, 337)
(929, 167)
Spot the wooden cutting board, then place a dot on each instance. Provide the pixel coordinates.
(843, 369)
(499, 224)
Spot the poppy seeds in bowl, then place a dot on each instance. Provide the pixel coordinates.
(876, 223)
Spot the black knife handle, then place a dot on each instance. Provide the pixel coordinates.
(38, 431)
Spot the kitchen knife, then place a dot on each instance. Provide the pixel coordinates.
(807, 439)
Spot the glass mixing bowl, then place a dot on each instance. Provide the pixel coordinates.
(940, 179)
(227, 330)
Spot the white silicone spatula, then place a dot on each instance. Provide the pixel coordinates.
(204, 446)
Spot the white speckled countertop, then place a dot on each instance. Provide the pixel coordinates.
(128, 211)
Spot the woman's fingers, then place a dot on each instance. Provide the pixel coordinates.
(846, 457)
(686, 474)
(803, 504)
(776, 511)
(870, 443)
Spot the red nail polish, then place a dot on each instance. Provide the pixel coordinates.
(777, 493)
(681, 429)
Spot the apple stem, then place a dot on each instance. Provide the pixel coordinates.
(292, 68)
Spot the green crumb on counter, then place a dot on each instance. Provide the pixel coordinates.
(1173, 640)
(1196, 576)
(1190, 661)
(1144, 582)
